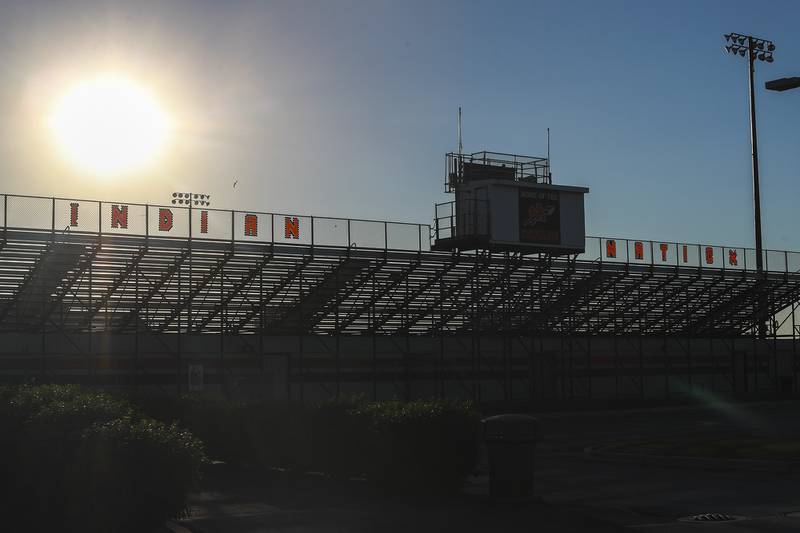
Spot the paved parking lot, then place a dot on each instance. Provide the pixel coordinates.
(575, 492)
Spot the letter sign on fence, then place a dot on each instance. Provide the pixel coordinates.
(732, 259)
(250, 226)
(73, 214)
(203, 221)
(709, 255)
(663, 247)
(611, 248)
(119, 216)
(638, 250)
(292, 227)
(164, 219)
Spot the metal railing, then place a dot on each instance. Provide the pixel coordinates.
(449, 223)
(471, 220)
(522, 168)
(60, 216)
(680, 254)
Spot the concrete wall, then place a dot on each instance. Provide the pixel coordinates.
(485, 368)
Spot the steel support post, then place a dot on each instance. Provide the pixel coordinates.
(440, 329)
(794, 350)
(137, 363)
(90, 334)
(761, 329)
(179, 358)
(336, 328)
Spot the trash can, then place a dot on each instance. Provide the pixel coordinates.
(511, 443)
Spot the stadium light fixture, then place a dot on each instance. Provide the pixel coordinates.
(190, 199)
(783, 84)
(753, 47)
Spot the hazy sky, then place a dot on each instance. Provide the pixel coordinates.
(347, 108)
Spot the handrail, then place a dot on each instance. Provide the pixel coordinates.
(45, 213)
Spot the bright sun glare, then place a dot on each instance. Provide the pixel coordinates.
(109, 125)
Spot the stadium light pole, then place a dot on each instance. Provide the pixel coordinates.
(753, 48)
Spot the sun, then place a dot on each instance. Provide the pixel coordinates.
(109, 125)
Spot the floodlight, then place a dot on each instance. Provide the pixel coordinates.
(769, 59)
(771, 47)
(741, 52)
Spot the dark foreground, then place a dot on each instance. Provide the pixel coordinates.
(574, 491)
(275, 501)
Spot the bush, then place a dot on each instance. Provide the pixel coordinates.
(399, 446)
(50, 436)
(131, 475)
(214, 419)
(278, 435)
(340, 437)
(51, 444)
(421, 445)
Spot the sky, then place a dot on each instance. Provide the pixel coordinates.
(345, 108)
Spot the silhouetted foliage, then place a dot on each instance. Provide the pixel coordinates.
(421, 445)
(397, 445)
(80, 460)
(213, 418)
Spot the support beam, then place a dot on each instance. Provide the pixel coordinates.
(479, 295)
(29, 276)
(287, 280)
(241, 285)
(376, 295)
(440, 273)
(118, 282)
(70, 279)
(178, 307)
(445, 293)
(165, 277)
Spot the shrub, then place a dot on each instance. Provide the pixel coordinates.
(50, 437)
(131, 475)
(64, 446)
(340, 437)
(399, 446)
(213, 418)
(278, 435)
(421, 445)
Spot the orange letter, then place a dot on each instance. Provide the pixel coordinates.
(709, 255)
(611, 248)
(685, 254)
(119, 216)
(638, 250)
(164, 219)
(732, 259)
(663, 251)
(292, 227)
(250, 226)
(73, 214)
